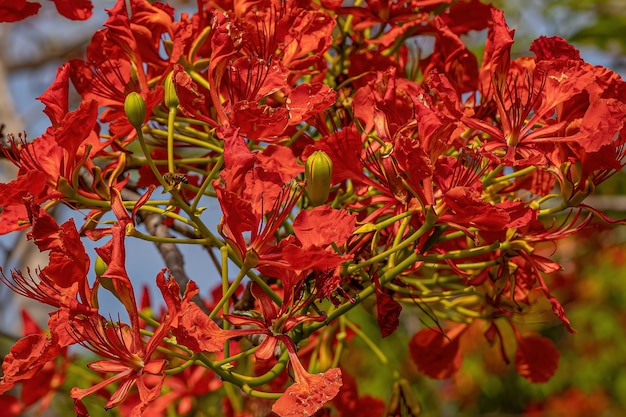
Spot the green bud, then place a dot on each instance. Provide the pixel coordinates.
(100, 266)
(171, 99)
(135, 109)
(318, 173)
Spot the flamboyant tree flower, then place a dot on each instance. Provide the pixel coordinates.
(318, 234)
(537, 101)
(396, 17)
(120, 58)
(292, 32)
(253, 87)
(309, 391)
(253, 70)
(37, 362)
(13, 11)
(48, 166)
(441, 193)
(63, 282)
(248, 194)
(127, 355)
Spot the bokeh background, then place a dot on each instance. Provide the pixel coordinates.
(591, 378)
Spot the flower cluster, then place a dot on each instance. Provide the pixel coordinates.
(349, 165)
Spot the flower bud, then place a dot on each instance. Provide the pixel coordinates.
(100, 267)
(318, 173)
(171, 99)
(135, 109)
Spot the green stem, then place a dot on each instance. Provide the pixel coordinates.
(488, 180)
(171, 117)
(236, 357)
(207, 181)
(428, 296)
(230, 290)
(395, 248)
(466, 253)
(204, 144)
(225, 289)
(146, 152)
(463, 267)
(396, 241)
(369, 342)
(252, 381)
(199, 79)
(180, 368)
(150, 238)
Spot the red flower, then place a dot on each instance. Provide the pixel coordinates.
(318, 232)
(15, 10)
(63, 282)
(264, 194)
(31, 362)
(309, 392)
(27, 358)
(252, 85)
(273, 321)
(397, 17)
(126, 354)
(47, 165)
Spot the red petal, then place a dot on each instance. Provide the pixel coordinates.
(324, 225)
(348, 402)
(74, 9)
(55, 97)
(11, 406)
(436, 354)
(497, 54)
(26, 358)
(536, 358)
(76, 127)
(305, 398)
(15, 10)
(306, 100)
(388, 311)
(553, 48)
(198, 332)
